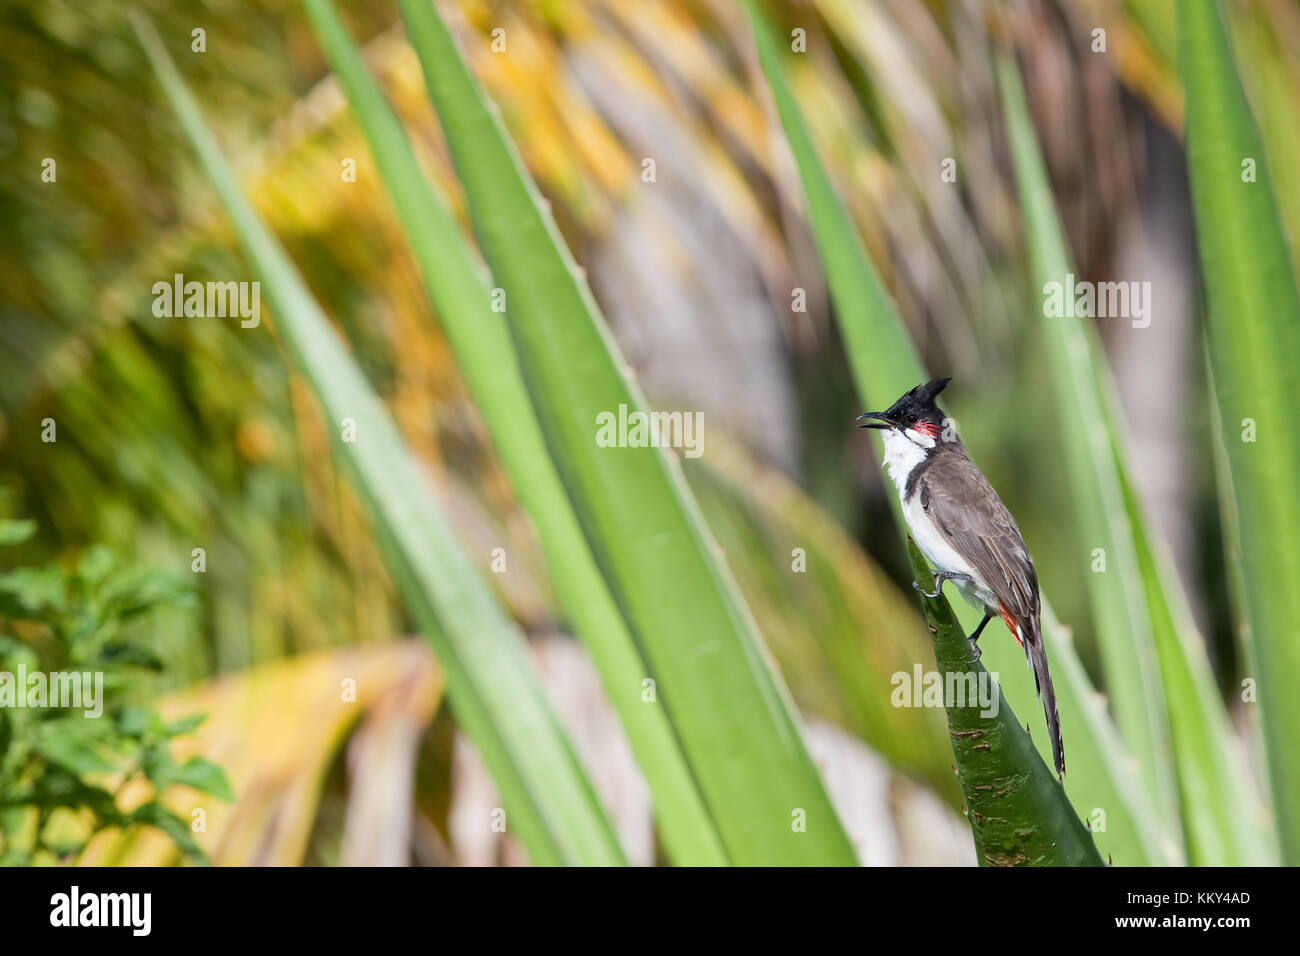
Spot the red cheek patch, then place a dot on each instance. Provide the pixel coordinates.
(928, 429)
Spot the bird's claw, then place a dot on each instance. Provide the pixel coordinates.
(939, 578)
(930, 594)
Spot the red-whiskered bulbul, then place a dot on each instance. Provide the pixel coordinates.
(963, 528)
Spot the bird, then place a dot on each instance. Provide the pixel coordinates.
(965, 531)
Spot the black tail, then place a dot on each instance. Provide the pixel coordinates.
(1037, 654)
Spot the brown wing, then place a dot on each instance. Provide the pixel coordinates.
(963, 505)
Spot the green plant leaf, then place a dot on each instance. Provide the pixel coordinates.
(884, 365)
(1221, 810)
(495, 694)
(1223, 813)
(33, 592)
(1118, 599)
(1253, 322)
(881, 356)
(75, 743)
(486, 357)
(138, 722)
(839, 627)
(184, 725)
(203, 774)
(1018, 811)
(15, 532)
(731, 712)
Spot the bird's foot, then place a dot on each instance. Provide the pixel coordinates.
(939, 578)
(929, 594)
(975, 636)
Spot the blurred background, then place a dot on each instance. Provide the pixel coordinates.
(183, 434)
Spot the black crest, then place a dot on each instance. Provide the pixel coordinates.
(918, 404)
(930, 389)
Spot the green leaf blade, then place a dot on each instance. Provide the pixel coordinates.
(1253, 323)
(730, 710)
(1018, 811)
(551, 806)
(1116, 594)
(486, 356)
(1207, 759)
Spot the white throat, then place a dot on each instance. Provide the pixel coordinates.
(903, 452)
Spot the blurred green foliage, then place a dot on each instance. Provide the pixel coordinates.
(67, 753)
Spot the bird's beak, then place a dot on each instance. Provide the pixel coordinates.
(881, 420)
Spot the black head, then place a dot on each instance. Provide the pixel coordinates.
(915, 410)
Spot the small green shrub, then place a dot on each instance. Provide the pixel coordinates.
(71, 737)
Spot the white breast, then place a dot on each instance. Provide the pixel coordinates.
(901, 456)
